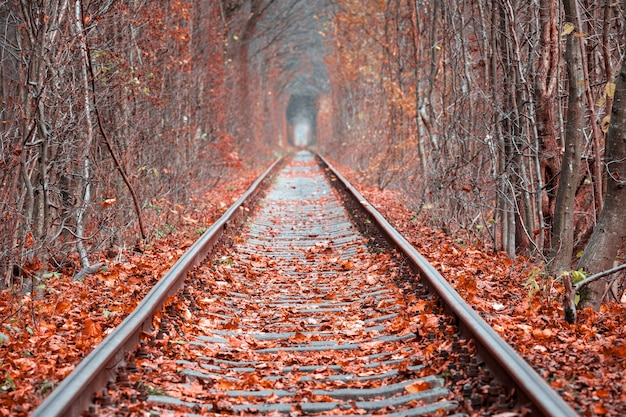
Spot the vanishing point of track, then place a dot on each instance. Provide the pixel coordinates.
(302, 300)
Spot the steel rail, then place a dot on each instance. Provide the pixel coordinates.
(545, 401)
(74, 394)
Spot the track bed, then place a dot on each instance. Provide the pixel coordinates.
(306, 310)
(305, 318)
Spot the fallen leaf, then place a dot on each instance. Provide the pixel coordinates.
(92, 329)
(542, 334)
(347, 265)
(417, 386)
(62, 307)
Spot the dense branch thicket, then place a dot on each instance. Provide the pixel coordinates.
(491, 115)
(100, 127)
(113, 109)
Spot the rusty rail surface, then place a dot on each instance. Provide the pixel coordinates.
(74, 394)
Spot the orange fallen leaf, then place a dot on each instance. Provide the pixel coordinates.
(347, 265)
(236, 343)
(557, 383)
(602, 393)
(418, 306)
(62, 307)
(223, 386)
(92, 329)
(108, 202)
(542, 333)
(417, 386)
(299, 337)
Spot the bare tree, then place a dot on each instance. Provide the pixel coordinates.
(562, 231)
(82, 102)
(609, 234)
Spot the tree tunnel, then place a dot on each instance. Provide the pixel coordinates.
(302, 120)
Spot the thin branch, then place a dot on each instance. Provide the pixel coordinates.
(599, 275)
(569, 304)
(88, 270)
(107, 141)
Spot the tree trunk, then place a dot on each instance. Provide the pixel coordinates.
(417, 50)
(563, 227)
(546, 83)
(507, 180)
(609, 233)
(84, 183)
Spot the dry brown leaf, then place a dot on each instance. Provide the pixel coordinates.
(417, 386)
(92, 329)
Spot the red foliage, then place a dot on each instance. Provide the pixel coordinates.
(48, 328)
(583, 361)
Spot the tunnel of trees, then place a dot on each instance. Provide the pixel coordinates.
(501, 121)
(301, 120)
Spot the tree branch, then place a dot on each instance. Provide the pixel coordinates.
(107, 141)
(569, 305)
(88, 270)
(599, 275)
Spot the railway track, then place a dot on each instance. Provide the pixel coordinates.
(313, 306)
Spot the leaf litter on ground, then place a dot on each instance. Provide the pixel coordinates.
(50, 326)
(46, 331)
(584, 362)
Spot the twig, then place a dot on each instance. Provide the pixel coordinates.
(599, 275)
(107, 141)
(83, 273)
(569, 306)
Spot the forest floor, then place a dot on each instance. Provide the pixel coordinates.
(584, 361)
(50, 326)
